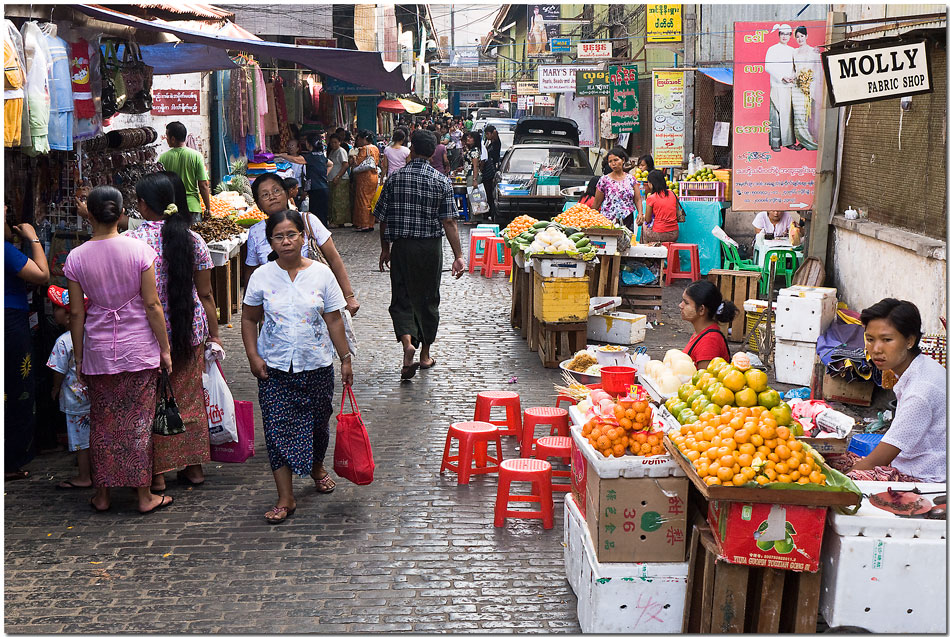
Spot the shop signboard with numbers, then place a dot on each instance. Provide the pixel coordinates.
(669, 121)
(624, 99)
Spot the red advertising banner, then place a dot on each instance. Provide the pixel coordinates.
(777, 99)
(176, 102)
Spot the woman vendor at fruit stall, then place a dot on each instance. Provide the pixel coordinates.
(618, 194)
(703, 307)
(914, 449)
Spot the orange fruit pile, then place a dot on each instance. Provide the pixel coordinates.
(631, 431)
(252, 213)
(581, 216)
(518, 225)
(744, 445)
(219, 207)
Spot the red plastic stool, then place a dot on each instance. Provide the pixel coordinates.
(492, 264)
(556, 447)
(538, 473)
(511, 425)
(469, 435)
(567, 400)
(474, 258)
(673, 271)
(553, 416)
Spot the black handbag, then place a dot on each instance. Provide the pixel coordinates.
(167, 421)
(137, 76)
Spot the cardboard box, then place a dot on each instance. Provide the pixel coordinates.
(755, 534)
(854, 393)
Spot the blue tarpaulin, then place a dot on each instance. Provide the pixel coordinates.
(170, 58)
(721, 74)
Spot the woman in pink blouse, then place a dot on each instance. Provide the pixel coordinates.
(118, 346)
(183, 277)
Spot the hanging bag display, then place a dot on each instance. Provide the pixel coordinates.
(352, 454)
(137, 76)
(167, 421)
(113, 86)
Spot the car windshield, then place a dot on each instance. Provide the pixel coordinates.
(527, 160)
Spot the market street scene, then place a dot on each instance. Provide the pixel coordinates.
(478, 318)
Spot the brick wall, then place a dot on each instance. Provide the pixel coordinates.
(902, 184)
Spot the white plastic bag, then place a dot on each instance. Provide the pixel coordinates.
(478, 198)
(222, 422)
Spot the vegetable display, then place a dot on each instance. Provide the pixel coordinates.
(217, 229)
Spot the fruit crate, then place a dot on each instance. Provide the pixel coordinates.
(702, 190)
(725, 176)
(736, 286)
(753, 311)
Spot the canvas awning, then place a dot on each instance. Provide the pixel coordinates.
(172, 58)
(721, 74)
(360, 67)
(399, 105)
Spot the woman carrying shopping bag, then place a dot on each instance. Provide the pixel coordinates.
(294, 365)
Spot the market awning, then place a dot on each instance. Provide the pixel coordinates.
(360, 67)
(171, 58)
(400, 106)
(721, 74)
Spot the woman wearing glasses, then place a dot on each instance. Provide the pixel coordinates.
(271, 195)
(299, 301)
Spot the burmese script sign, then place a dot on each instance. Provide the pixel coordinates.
(176, 102)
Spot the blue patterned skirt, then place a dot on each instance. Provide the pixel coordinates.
(296, 409)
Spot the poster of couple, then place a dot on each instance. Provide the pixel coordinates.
(541, 29)
(778, 97)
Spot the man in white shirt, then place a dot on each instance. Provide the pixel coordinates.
(779, 64)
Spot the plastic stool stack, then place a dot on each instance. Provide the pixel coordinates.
(533, 416)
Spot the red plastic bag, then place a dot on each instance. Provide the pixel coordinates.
(352, 454)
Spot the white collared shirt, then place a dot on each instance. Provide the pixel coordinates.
(258, 248)
(294, 331)
(919, 428)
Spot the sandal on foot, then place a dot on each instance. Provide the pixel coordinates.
(430, 365)
(160, 505)
(408, 371)
(287, 512)
(69, 484)
(183, 478)
(325, 484)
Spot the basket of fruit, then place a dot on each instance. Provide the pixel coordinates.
(250, 217)
(702, 185)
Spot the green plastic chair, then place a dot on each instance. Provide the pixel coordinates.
(734, 262)
(786, 265)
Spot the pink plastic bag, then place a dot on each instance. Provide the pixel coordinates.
(243, 449)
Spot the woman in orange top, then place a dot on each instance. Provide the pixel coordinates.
(366, 182)
(660, 210)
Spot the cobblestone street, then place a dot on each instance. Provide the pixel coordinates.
(412, 551)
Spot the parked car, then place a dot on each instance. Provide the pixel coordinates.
(486, 112)
(539, 140)
(505, 127)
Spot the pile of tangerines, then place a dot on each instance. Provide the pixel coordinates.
(630, 429)
(744, 445)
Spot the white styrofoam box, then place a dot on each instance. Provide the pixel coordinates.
(639, 250)
(621, 597)
(794, 362)
(602, 244)
(623, 328)
(604, 303)
(652, 389)
(802, 313)
(870, 521)
(629, 466)
(884, 585)
(755, 305)
(559, 267)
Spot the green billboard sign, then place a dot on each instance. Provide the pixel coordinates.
(624, 99)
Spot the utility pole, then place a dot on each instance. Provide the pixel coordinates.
(452, 31)
(689, 78)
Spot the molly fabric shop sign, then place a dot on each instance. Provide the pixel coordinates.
(560, 79)
(624, 99)
(176, 102)
(877, 72)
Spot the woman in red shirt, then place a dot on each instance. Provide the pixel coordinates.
(661, 210)
(702, 305)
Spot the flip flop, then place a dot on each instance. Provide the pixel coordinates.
(430, 365)
(161, 505)
(408, 371)
(277, 511)
(325, 484)
(69, 484)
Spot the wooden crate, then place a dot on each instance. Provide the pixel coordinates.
(727, 598)
(558, 341)
(605, 277)
(519, 281)
(736, 286)
(561, 300)
(643, 299)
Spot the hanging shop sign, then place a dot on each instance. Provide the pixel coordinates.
(176, 102)
(544, 100)
(591, 83)
(525, 102)
(877, 72)
(471, 96)
(507, 86)
(777, 98)
(560, 45)
(664, 23)
(599, 50)
(498, 96)
(559, 79)
(669, 121)
(624, 99)
(542, 28)
(527, 88)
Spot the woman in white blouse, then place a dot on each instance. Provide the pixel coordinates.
(299, 301)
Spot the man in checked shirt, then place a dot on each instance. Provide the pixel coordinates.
(415, 210)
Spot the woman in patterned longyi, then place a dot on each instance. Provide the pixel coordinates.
(298, 301)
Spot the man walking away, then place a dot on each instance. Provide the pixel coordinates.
(318, 167)
(189, 165)
(415, 209)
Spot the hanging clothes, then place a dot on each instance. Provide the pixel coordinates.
(38, 62)
(60, 91)
(270, 117)
(81, 75)
(17, 39)
(280, 106)
(14, 77)
(237, 108)
(260, 102)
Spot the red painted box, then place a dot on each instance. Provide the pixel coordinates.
(771, 535)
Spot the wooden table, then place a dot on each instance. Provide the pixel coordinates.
(226, 287)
